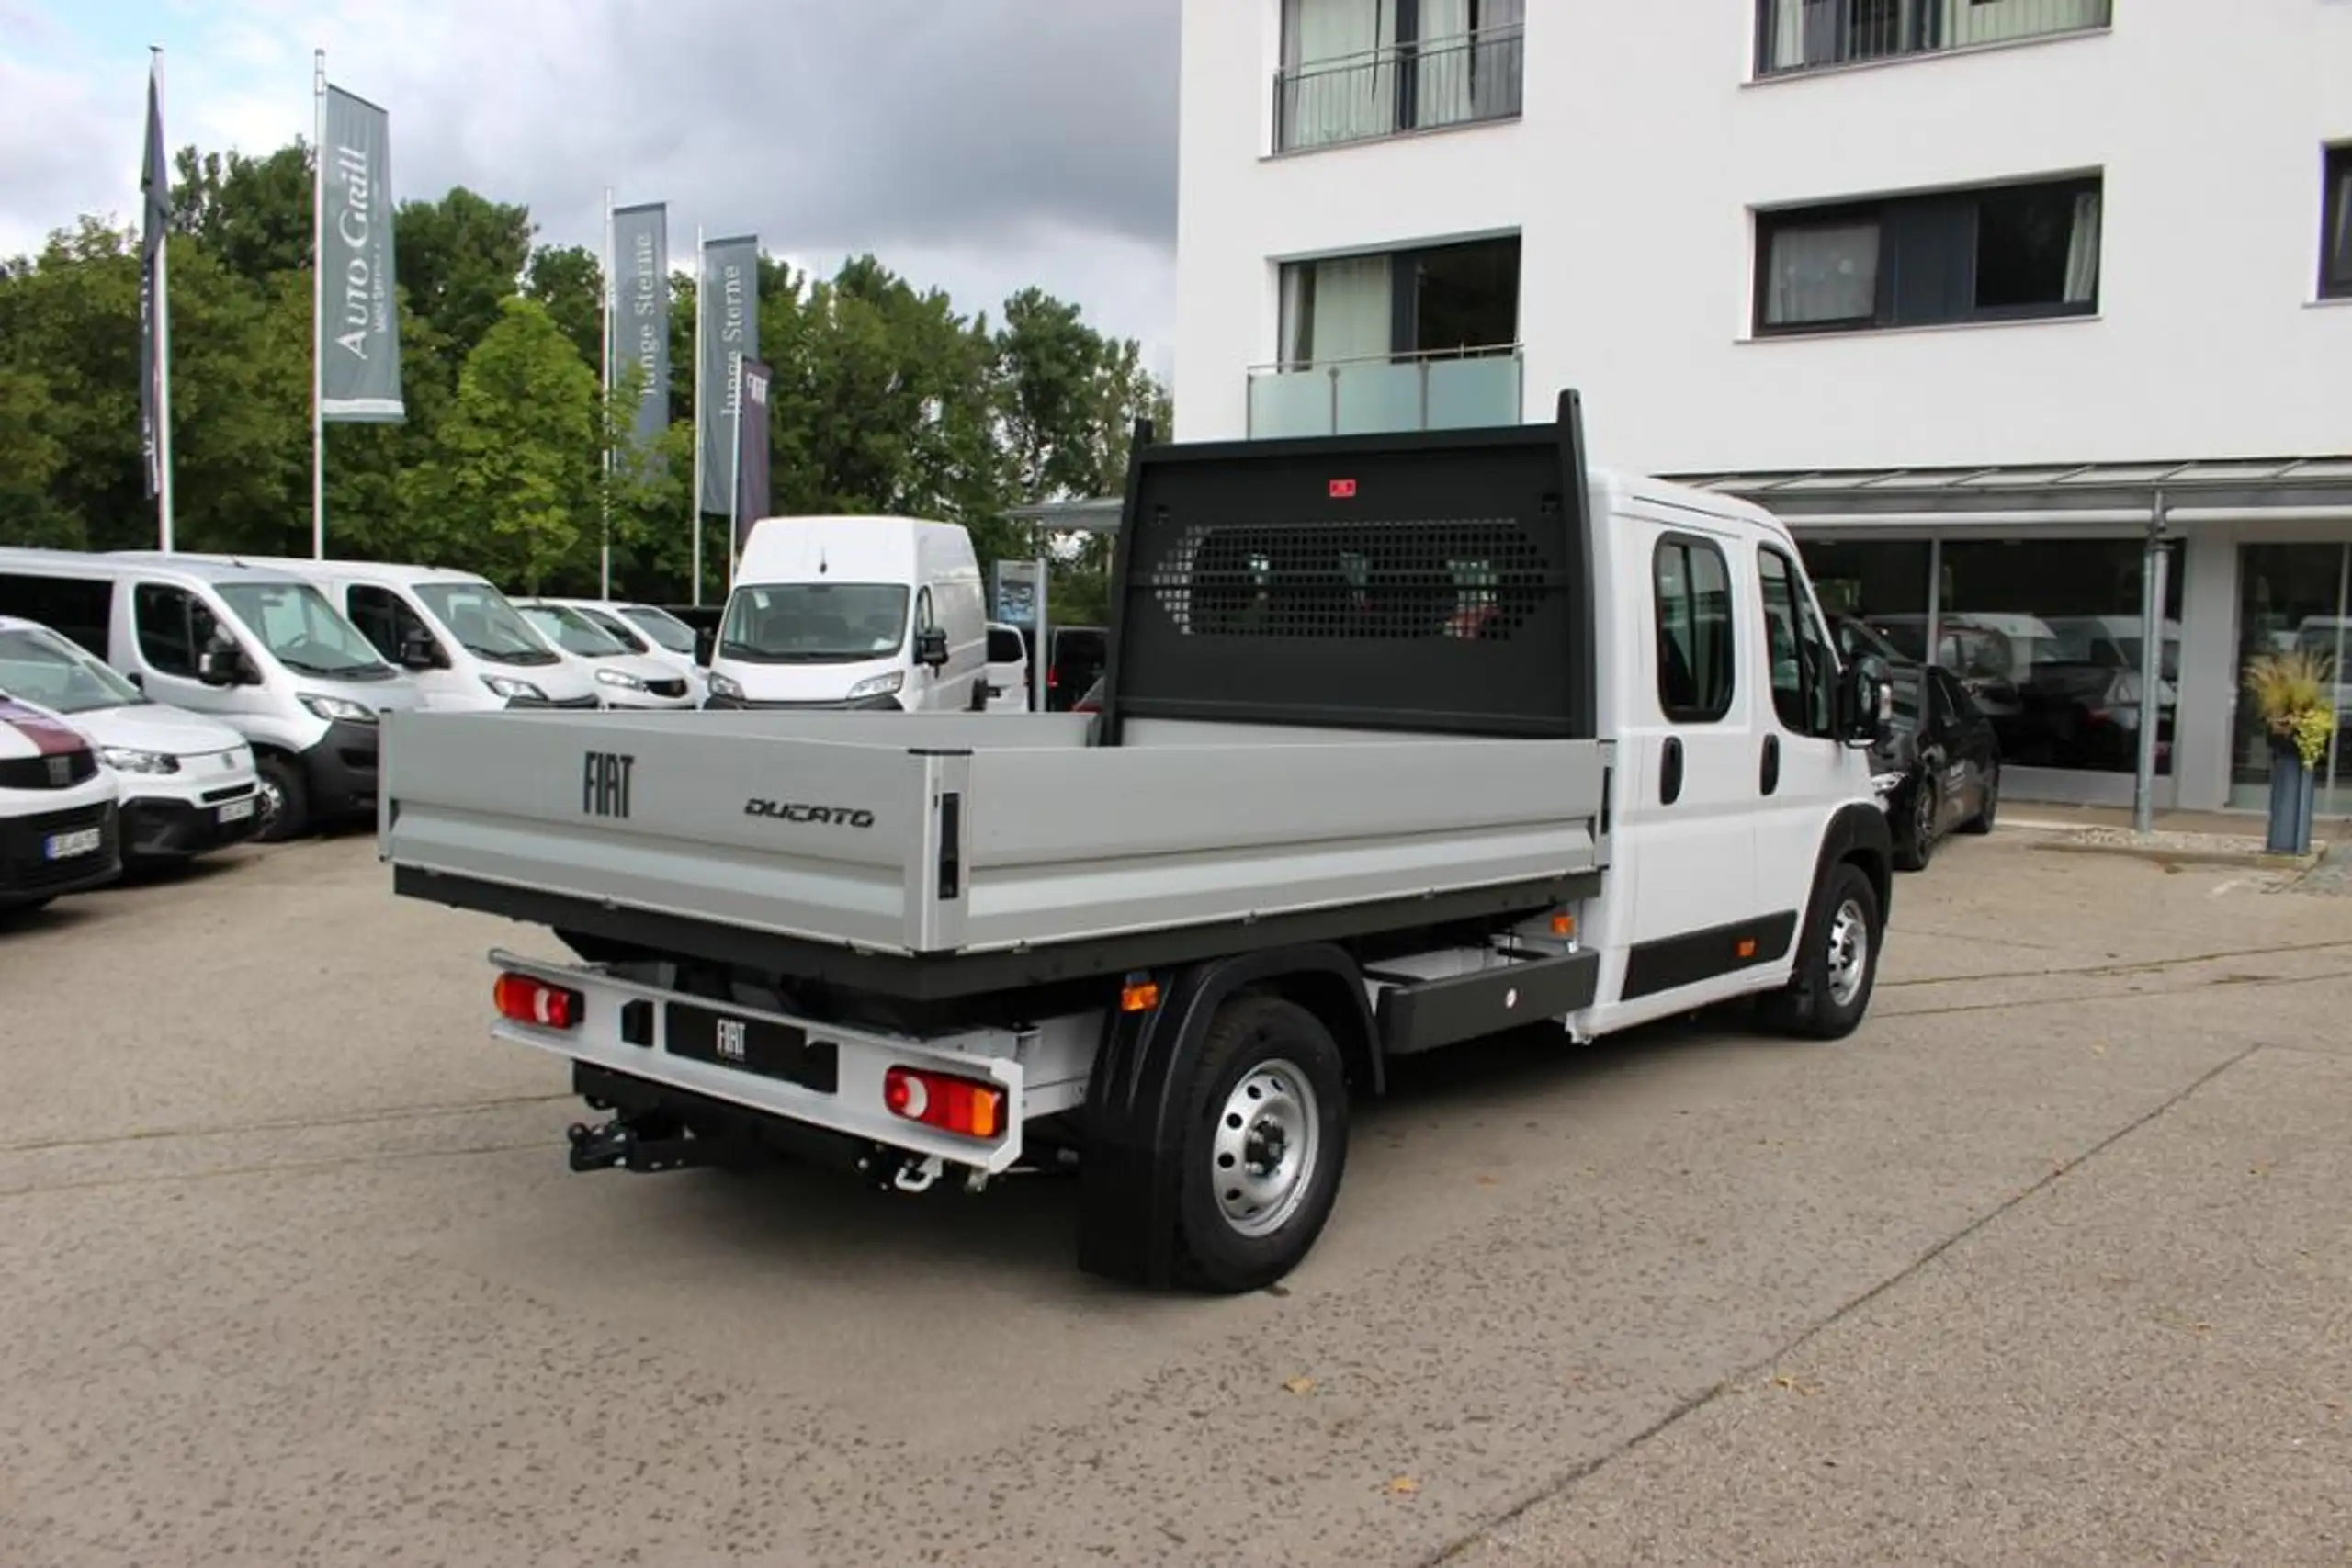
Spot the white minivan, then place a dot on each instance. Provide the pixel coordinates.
(253, 646)
(463, 641)
(630, 679)
(882, 613)
(188, 783)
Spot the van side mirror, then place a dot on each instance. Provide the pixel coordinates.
(705, 645)
(1866, 703)
(418, 651)
(930, 646)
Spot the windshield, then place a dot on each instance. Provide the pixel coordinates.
(40, 667)
(815, 623)
(303, 631)
(484, 624)
(572, 631)
(662, 627)
(619, 630)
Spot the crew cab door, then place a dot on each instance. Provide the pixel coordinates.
(1685, 819)
(1802, 773)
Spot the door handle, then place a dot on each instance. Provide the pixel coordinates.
(1772, 779)
(1669, 778)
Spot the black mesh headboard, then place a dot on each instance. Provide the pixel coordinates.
(1435, 582)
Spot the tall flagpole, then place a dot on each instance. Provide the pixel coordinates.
(605, 319)
(694, 501)
(317, 304)
(163, 349)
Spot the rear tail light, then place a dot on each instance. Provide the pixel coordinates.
(963, 1105)
(522, 999)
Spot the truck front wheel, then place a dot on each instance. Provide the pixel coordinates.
(1838, 968)
(1265, 1139)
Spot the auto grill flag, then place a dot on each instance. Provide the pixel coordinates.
(156, 185)
(751, 497)
(359, 325)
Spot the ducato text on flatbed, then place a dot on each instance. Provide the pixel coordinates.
(1404, 741)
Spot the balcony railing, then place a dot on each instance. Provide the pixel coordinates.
(1795, 36)
(1457, 389)
(1411, 87)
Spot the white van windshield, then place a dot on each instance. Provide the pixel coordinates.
(303, 631)
(482, 621)
(572, 631)
(41, 667)
(815, 623)
(662, 626)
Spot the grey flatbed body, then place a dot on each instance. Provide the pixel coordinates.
(915, 836)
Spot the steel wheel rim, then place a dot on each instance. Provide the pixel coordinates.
(1849, 952)
(1923, 817)
(273, 806)
(1266, 1148)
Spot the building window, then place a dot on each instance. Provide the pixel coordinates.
(2000, 253)
(1812, 35)
(2336, 250)
(1355, 70)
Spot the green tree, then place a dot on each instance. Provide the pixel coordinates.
(252, 214)
(570, 281)
(514, 493)
(30, 457)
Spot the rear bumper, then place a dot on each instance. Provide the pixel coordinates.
(27, 872)
(164, 829)
(853, 1108)
(341, 769)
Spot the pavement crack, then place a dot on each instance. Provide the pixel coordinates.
(1561, 1484)
(285, 1124)
(2115, 967)
(2235, 982)
(264, 1168)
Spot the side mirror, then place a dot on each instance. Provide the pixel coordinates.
(221, 665)
(1866, 703)
(705, 645)
(930, 646)
(418, 651)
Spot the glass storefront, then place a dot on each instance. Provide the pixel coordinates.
(2044, 632)
(2293, 596)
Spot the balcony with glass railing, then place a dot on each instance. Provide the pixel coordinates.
(1452, 390)
(1798, 36)
(1459, 80)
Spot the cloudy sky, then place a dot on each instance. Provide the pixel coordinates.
(975, 145)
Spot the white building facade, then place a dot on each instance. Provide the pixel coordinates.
(1996, 301)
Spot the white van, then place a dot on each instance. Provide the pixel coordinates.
(651, 630)
(254, 647)
(630, 679)
(189, 783)
(459, 638)
(1008, 676)
(58, 829)
(854, 612)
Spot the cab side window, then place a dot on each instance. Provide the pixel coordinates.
(1801, 665)
(384, 619)
(166, 629)
(1694, 631)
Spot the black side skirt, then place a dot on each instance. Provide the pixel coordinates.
(1672, 963)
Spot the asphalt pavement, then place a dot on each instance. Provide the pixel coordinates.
(2049, 1264)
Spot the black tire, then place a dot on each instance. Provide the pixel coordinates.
(1915, 837)
(1982, 822)
(1813, 1006)
(285, 800)
(1258, 1041)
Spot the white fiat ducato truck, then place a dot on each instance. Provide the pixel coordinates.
(1404, 741)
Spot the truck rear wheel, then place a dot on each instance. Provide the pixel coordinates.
(1838, 968)
(1265, 1140)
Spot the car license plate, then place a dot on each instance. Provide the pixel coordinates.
(758, 1046)
(66, 846)
(237, 810)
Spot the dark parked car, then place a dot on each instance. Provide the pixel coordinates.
(1080, 653)
(1949, 771)
(1941, 768)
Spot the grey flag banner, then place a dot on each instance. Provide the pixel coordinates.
(359, 324)
(752, 492)
(156, 182)
(640, 314)
(729, 313)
